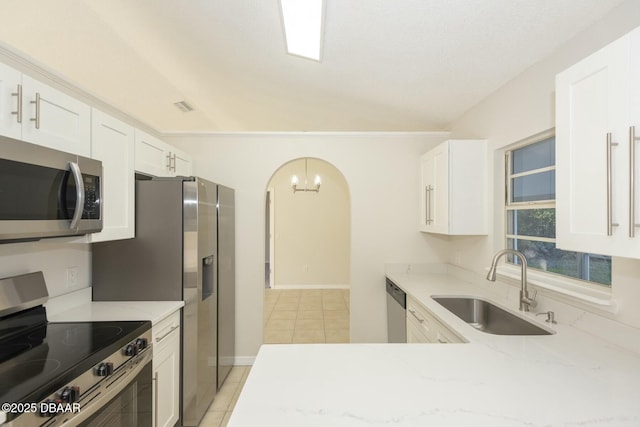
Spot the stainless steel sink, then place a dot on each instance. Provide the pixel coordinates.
(487, 317)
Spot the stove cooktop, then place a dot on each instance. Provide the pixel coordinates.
(39, 360)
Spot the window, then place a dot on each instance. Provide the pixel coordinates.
(531, 216)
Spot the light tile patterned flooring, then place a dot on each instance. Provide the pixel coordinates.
(291, 316)
(220, 410)
(306, 316)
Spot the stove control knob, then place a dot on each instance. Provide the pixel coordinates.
(104, 369)
(141, 343)
(131, 350)
(70, 394)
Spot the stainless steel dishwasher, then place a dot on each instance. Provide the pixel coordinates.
(396, 313)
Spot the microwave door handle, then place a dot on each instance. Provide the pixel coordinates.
(77, 177)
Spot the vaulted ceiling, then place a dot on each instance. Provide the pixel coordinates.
(387, 64)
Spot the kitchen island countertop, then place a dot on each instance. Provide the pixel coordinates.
(570, 378)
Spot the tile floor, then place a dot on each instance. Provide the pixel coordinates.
(220, 410)
(291, 317)
(306, 316)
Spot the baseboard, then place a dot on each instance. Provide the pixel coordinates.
(244, 360)
(289, 287)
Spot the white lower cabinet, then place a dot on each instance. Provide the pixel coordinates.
(423, 327)
(166, 371)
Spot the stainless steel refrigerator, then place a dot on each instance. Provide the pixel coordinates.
(183, 250)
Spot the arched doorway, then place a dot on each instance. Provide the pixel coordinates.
(308, 247)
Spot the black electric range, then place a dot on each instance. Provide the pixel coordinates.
(61, 362)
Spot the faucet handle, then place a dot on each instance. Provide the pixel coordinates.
(532, 294)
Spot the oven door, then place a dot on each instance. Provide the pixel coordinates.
(47, 193)
(131, 406)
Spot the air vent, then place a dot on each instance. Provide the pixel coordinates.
(183, 106)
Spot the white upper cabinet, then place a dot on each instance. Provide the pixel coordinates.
(10, 102)
(37, 113)
(112, 142)
(54, 119)
(157, 158)
(453, 193)
(597, 112)
(181, 162)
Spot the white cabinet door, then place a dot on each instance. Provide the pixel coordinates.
(166, 371)
(112, 143)
(434, 190)
(10, 101)
(453, 188)
(55, 120)
(151, 155)
(181, 163)
(157, 158)
(423, 327)
(596, 107)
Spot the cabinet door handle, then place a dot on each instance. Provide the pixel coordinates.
(426, 205)
(167, 334)
(610, 223)
(18, 95)
(632, 181)
(37, 117)
(416, 316)
(174, 162)
(428, 190)
(169, 162)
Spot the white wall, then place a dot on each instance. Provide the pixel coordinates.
(525, 107)
(311, 229)
(52, 257)
(381, 171)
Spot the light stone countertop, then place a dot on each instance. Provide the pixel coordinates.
(571, 378)
(78, 307)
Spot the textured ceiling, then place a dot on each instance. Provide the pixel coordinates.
(387, 64)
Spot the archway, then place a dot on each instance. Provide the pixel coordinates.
(308, 247)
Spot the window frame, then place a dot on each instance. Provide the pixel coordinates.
(601, 289)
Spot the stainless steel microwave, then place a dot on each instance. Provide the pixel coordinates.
(47, 193)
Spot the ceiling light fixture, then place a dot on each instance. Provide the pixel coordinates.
(303, 22)
(316, 182)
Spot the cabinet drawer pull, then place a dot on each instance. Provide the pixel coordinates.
(167, 334)
(37, 117)
(18, 95)
(413, 313)
(610, 223)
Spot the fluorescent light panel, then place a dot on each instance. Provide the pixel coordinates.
(303, 26)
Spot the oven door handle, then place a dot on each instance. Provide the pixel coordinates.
(77, 177)
(113, 390)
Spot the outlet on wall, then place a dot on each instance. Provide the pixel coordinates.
(72, 277)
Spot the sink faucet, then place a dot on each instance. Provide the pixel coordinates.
(526, 301)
